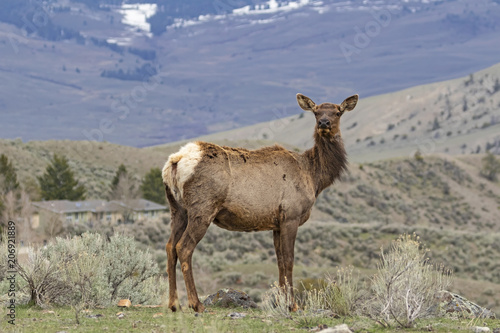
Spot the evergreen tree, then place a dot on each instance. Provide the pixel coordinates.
(123, 186)
(8, 177)
(490, 167)
(59, 183)
(121, 172)
(152, 187)
(435, 124)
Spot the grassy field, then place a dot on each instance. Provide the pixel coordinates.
(142, 319)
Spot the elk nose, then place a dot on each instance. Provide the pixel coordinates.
(324, 123)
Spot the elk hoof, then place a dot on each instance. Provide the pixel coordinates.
(175, 306)
(198, 307)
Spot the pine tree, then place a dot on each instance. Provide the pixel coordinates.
(152, 186)
(121, 172)
(435, 124)
(490, 167)
(59, 183)
(8, 177)
(123, 186)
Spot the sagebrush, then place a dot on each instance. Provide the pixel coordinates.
(406, 283)
(89, 270)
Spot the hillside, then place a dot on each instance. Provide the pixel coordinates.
(95, 163)
(460, 116)
(86, 73)
(441, 197)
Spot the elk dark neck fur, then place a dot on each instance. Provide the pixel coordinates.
(327, 160)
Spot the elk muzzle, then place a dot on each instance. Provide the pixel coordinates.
(324, 123)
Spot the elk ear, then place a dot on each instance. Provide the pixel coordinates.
(349, 103)
(305, 103)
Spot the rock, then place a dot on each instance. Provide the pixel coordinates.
(96, 316)
(337, 329)
(120, 315)
(228, 298)
(124, 303)
(237, 315)
(318, 328)
(479, 329)
(48, 312)
(450, 303)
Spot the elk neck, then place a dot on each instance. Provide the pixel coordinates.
(327, 160)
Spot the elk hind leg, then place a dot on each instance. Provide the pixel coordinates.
(178, 226)
(198, 222)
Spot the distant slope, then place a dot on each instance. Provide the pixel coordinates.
(459, 116)
(439, 191)
(227, 71)
(94, 163)
(440, 197)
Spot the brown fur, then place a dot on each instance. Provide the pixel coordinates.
(241, 190)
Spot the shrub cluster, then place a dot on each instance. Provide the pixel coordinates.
(402, 290)
(90, 270)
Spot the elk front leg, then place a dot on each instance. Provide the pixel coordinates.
(279, 257)
(287, 235)
(178, 225)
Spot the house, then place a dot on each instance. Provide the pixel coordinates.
(95, 210)
(141, 208)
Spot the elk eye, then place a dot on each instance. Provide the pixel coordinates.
(338, 114)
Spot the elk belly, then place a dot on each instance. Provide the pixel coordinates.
(241, 219)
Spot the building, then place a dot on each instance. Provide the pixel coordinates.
(95, 211)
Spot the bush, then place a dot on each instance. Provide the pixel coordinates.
(490, 167)
(88, 270)
(406, 283)
(342, 291)
(276, 302)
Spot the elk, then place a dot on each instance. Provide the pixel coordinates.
(237, 189)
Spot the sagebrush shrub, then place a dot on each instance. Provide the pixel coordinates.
(89, 270)
(276, 301)
(406, 283)
(342, 291)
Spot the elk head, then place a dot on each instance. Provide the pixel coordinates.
(327, 114)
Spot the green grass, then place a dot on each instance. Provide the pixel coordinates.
(140, 319)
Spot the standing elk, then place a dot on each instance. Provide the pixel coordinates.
(249, 190)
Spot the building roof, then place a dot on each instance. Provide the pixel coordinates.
(140, 204)
(97, 206)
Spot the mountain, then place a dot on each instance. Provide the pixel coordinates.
(94, 70)
(459, 116)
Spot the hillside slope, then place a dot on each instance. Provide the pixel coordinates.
(437, 191)
(440, 197)
(94, 163)
(459, 116)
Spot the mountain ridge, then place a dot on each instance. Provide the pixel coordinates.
(369, 131)
(227, 73)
